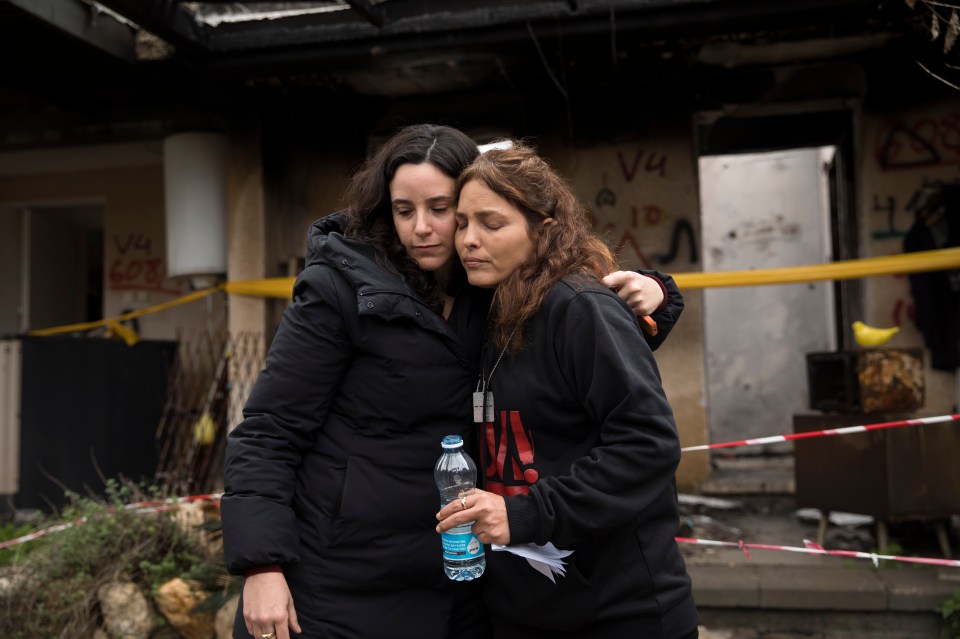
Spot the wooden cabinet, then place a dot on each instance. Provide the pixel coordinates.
(893, 474)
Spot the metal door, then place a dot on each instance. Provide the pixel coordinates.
(763, 210)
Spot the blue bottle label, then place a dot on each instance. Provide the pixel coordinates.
(460, 545)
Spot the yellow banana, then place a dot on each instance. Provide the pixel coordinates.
(871, 335)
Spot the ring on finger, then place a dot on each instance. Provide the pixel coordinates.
(463, 502)
(268, 635)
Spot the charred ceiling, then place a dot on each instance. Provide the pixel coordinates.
(85, 64)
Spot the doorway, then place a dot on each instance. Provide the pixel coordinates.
(775, 191)
(53, 266)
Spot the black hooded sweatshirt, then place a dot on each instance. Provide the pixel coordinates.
(584, 448)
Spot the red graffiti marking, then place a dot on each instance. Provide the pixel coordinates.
(924, 142)
(136, 269)
(609, 230)
(626, 238)
(652, 214)
(659, 166)
(652, 165)
(140, 275)
(898, 309)
(628, 174)
(134, 241)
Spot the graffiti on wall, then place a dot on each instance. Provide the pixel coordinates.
(886, 205)
(902, 310)
(137, 268)
(655, 163)
(890, 209)
(925, 152)
(922, 142)
(624, 232)
(681, 229)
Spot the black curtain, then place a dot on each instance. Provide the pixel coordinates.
(936, 295)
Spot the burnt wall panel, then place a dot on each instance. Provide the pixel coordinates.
(88, 404)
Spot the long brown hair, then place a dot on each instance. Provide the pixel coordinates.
(367, 199)
(564, 247)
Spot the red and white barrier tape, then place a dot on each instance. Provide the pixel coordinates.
(812, 548)
(152, 506)
(825, 433)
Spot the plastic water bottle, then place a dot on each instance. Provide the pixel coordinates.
(456, 476)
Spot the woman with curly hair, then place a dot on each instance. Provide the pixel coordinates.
(579, 447)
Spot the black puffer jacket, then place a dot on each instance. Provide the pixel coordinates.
(331, 472)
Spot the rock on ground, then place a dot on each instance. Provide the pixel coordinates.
(126, 612)
(175, 599)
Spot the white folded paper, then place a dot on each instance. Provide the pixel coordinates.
(546, 559)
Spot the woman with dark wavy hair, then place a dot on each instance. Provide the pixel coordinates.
(581, 451)
(329, 488)
(381, 207)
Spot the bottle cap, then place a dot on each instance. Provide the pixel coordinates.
(452, 441)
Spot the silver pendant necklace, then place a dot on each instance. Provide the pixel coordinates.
(482, 399)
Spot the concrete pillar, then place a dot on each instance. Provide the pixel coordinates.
(246, 259)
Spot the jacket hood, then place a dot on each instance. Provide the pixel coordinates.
(361, 264)
(381, 289)
(319, 230)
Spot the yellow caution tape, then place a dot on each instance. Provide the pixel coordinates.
(920, 261)
(128, 335)
(282, 287)
(147, 310)
(278, 287)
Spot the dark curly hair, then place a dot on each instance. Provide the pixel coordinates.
(367, 199)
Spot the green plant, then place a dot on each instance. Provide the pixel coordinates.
(950, 612)
(54, 592)
(173, 564)
(9, 556)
